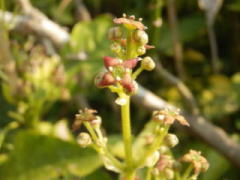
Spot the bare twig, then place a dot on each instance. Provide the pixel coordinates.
(82, 12)
(177, 46)
(214, 48)
(212, 135)
(35, 21)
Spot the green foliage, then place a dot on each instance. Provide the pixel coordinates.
(38, 156)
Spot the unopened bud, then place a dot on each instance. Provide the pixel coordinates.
(141, 37)
(153, 159)
(194, 177)
(169, 173)
(84, 139)
(141, 50)
(116, 47)
(171, 140)
(115, 33)
(163, 149)
(148, 63)
(155, 172)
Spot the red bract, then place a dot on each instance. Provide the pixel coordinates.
(106, 80)
(130, 64)
(127, 83)
(111, 62)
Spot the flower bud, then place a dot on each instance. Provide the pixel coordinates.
(109, 165)
(141, 50)
(116, 47)
(115, 33)
(169, 173)
(153, 159)
(171, 140)
(148, 63)
(104, 80)
(141, 37)
(84, 139)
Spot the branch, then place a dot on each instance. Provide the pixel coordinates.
(211, 134)
(36, 22)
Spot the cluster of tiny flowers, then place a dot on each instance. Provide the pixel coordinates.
(129, 42)
(167, 117)
(119, 75)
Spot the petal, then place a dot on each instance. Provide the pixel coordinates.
(106, 80)
(130, 64)
(127, 83)
(110, 61)
(130, 23)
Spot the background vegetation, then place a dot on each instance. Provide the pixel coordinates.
(47, 73)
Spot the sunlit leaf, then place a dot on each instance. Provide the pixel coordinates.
(42, 157)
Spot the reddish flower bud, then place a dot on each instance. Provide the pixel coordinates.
(110, 61)
(106, 80)
(130, 64)
(127, 83)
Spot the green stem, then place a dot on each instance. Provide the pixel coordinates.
(102, 150)
(130, 176)
(156, 144)
(137, 72)
(187, 172)
(126, 130)
(149, 174)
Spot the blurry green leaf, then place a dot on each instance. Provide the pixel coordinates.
(189, 28)
(140, 141)
(42, 157)
(219, 98)
(97, 174)
(86, 36)
(218, 166)
(116, 146)
(235, 6)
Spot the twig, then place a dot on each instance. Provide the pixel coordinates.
(82, 12)
(213, 47)
(211, 134)
(177, 46)
(35, 21)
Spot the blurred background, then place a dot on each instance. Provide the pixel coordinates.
(51, 50)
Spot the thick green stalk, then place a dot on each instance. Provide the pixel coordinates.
(126, 130)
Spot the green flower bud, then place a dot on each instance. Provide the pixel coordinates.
(153, 159)
(169, 173)
(148, 63)
(171, 140)
(141, 37)
(141, 50)
(84, 139)
(116, 47)
(115, 33)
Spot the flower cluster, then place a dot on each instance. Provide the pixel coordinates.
(199, 163)
(167, 117)
(152, 148)
(129, 42)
